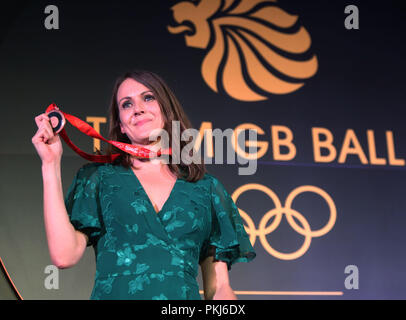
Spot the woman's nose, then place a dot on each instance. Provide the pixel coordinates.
(139, 107)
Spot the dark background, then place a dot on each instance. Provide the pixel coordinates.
(359, 85)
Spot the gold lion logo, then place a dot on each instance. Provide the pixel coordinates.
(254, 47)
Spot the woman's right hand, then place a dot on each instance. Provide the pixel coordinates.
(47, 144)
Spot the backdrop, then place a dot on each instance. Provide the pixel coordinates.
(322, 84)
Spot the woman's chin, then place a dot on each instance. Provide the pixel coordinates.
(146, 138)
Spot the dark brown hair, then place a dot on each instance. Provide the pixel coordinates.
(171, 110)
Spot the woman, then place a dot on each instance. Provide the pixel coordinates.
(150, 222)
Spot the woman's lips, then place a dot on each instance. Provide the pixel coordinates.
(139, 123)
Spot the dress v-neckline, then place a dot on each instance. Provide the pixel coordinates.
(146, 194)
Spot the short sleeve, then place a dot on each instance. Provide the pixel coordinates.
(82, 203)
(228, 240)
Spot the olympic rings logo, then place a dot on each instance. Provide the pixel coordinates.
(287, 210)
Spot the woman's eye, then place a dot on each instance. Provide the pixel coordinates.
(126, 104)
(149, 97)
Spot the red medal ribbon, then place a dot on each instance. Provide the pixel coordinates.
(138, 151)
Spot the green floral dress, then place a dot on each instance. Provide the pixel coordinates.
(141, 254)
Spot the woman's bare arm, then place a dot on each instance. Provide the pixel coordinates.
(216, 282)
(66, 245)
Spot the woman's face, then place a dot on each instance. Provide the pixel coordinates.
(139, 111)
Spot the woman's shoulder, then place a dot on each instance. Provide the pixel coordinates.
(208, 176)
(96, 169)
(215, 183)
(210, 179)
